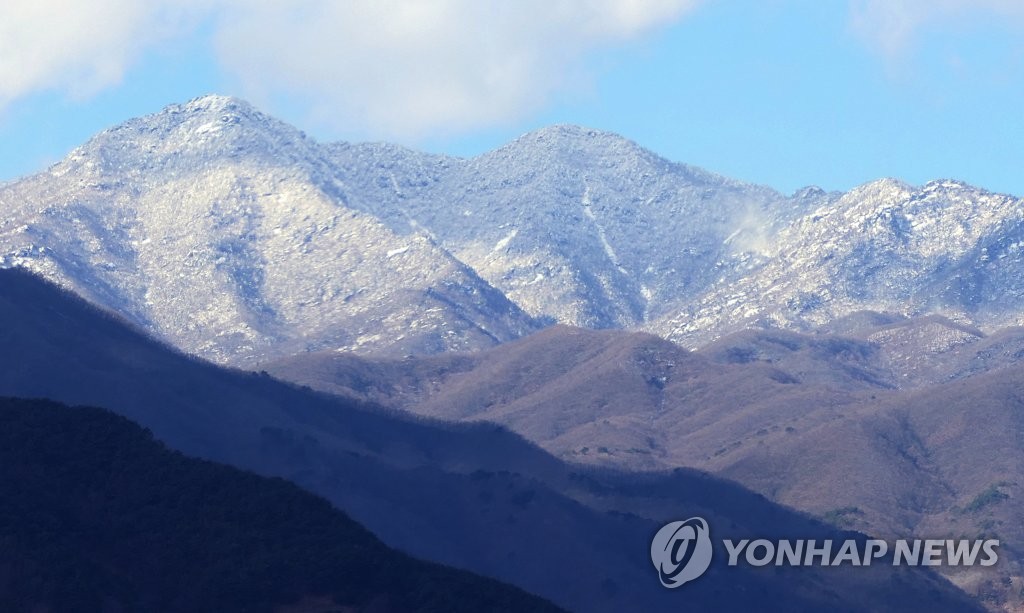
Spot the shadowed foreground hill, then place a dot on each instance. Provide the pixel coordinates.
(471, 496)
(96, 516)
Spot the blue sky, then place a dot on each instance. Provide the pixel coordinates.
(785, 93)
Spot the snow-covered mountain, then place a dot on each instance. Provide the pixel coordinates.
(945, 248)
(582, 226)
(227, 233)
(234, 236)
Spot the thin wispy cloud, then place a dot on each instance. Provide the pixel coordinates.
(893, 26)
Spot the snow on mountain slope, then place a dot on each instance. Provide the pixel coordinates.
(579, 225)
(945, 248)
(234, 236)
(224, 231)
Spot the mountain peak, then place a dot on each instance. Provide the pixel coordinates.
(213, 101)
(888, 189)
(591, 148)
(569, 130)
(887, 183)
(571, 135)
(951, 187)
(810, 192)
(190, 134)
(228, 108)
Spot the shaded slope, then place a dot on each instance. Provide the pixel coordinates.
(408, 482)
(609, 397)
(813, 421)
(473, 497)
(943, 460)
(99, 516)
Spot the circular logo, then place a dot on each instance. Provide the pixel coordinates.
(681, 551)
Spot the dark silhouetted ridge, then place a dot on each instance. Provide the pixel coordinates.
(98, 516)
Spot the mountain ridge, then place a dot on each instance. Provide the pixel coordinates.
(239, 238)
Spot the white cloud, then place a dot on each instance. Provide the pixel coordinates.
(411, 69)
(401, 68)
(891, 26)
(78, 47)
